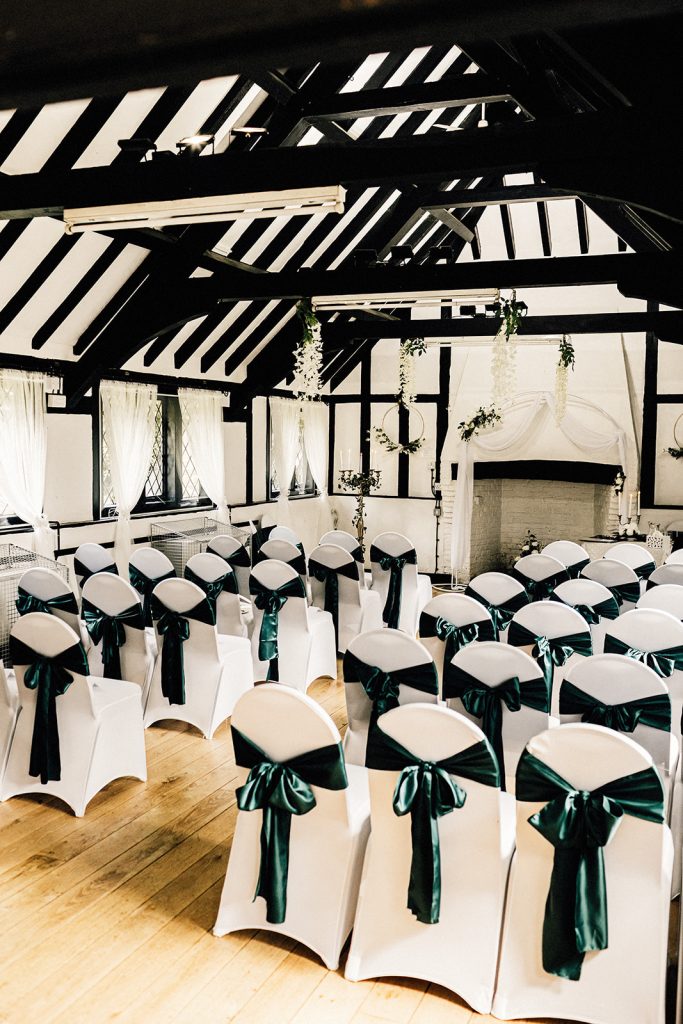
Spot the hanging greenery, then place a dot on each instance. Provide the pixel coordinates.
(504, 356)
(564, 364)
(308, 354)
(407, 393)
(481, 419)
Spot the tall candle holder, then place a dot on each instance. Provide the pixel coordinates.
(363, 484)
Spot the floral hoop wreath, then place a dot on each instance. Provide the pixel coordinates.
(387, 442)
(676, 451)
(677, 439)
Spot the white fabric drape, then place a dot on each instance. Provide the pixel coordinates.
(530, 408)
(285, 418)
(202, 417)
(128, 412)
(23, 451)
(315, 418)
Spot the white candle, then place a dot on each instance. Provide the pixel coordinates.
(638, 503)
(348, 458)
(341, 460)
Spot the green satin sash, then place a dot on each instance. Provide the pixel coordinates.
(394, 565)
(175, 629)
(357, 554)
(550, 651)
(579, 823)
(27, 603)
(85, 573)
(51, 677)
(271, 602)
(213, 588)
(653, 711)
(664, 662)
(608, 609)
(110, 631)
(426, 791)
(145, 585)
(259, 538)
(330, 577)
(239, 559)
(577, 568)
(454, 637)
(643, 571)
(382, 687)
(501, 614)
(629, 592)
(540, 590)
(279, 790)
(486, 702)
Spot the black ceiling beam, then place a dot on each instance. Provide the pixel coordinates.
(468, 198)
(71, 51)
(508, 232)
(582, 224)
(668, 326)
(589, 154)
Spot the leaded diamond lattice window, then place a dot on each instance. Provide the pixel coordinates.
(189, 478)
(154, 485)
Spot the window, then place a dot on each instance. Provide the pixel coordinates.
(302, 481)
(172, 481)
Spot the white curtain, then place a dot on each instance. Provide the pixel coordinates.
(202, 416)
(520, 416)
(285, 417)
(315, 417)
(23, 451)
(128, 412)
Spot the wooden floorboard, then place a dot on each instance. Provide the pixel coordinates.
(109, 917)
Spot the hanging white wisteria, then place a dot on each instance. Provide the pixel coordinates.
(504, 354)
(564, 364)
(308, 355)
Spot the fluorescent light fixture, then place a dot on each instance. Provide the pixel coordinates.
(410, 300)
(206, 209)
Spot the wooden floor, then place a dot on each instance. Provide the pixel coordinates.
(109, 917)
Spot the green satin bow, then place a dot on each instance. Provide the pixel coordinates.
(629, 592)
(549, 651)
(175, 629)
(664, 662)
(485, 702)
(608, 609)
(238, 559)
(501, 614)
(654, 711)
(577, 568)
(281, 789)
(643, 571)
(426, 791)
(271, 602)
(110, 630)
(145, 585)
(383, 687)
(51, 677)
(27, 603)
(454, 637)
(213, 588)
(540, 590)
(258, 539)
(579, 823)
(85, 573)
(330, 577)
(394, 565)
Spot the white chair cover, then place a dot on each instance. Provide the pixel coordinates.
(283, 550)
(349, 543)
(675, 558)
(390, 651)
(670, 573)
(496, 589)
(113, 595)
(493, 663)
(476, 841)
(459, 611)
(9, 711)
(588, 593)
(46, 584)
(625, 982)
(668, 597)
(285, 533)
(306, 642)
(94, 558)
(569, 553)
(99, 722)
(635, 555)
(232, 614)
(552, 620)
(218, 669)
(416, 588)
(615, 575)
(539, 574)
(225, 545)
(320, 903)
(359, 610)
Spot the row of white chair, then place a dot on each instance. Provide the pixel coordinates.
(487, 939)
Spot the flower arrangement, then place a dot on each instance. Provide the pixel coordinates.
(409, 448)
(564, 364)
(410, 348)
(511, 311)
(481, 419)
(529, 545)
(308, 354)
(503, 361)
(675, 453)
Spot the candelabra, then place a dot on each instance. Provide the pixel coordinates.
(363, 484)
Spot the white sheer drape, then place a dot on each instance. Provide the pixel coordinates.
(128, 412)
(285, 418)
(202, 417)
(23, 451)
(315, 418)
(520, 417)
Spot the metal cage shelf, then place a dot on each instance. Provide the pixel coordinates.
(14, 561)
(189, 537)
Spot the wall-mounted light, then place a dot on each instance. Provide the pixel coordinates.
(196, 143)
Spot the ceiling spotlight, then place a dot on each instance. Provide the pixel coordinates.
(248, 130)
(195, 142)
(401, 254)
(139, 146)
(482, 122)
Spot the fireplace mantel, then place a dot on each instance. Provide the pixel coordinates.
(543, 469)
